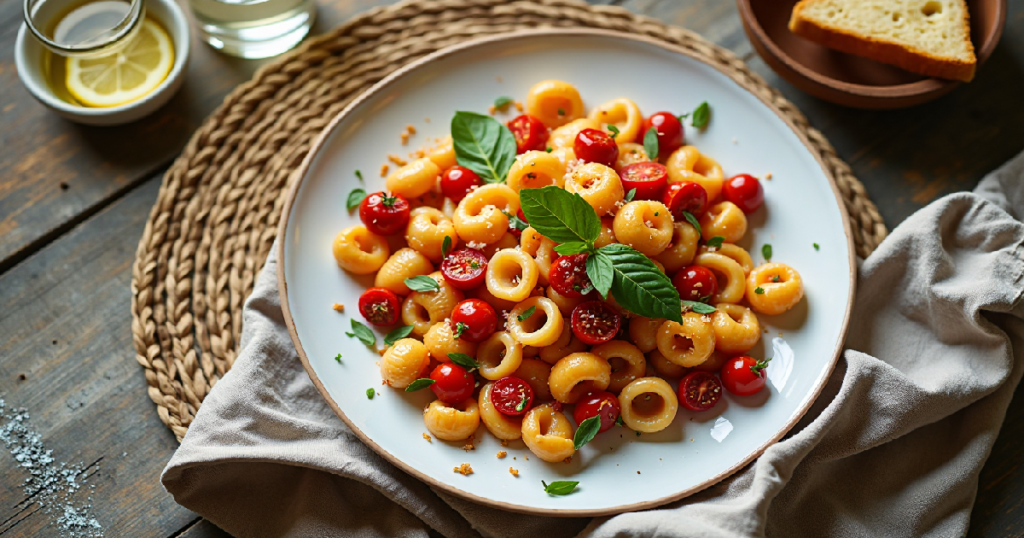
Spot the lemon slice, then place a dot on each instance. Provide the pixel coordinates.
(126, 75)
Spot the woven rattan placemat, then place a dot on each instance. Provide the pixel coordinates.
(218, 208)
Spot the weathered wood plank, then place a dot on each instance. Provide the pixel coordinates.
(204, 529)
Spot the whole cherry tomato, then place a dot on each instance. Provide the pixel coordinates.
(685, 196)
(379, 306)
(452, 383)
(699, 391)
(669, 131)
(595, 146)
(603, 404)
(745, 191)
(458, 181)
(649, 180)
(474, 320)
(569, 275)
(595, 322)
(695, 283)
(511, 396)
(465, 268)
(744, 375)
(529, 132)
(384, 214)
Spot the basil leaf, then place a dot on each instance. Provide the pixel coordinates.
(600, 272)
(639, 286)
(614, 130)
(575, 247)
(630, 195)
(700, 308)
(693, 222)
(526, 315)
(817, 246)
(463, 360)
(522, 403)
(766, 251)
(514, 222)
(651, 144)
(338, 358)
(422, 283)
(420, 383)
(701, 116)
(397, 334)
(560, 487)
(759, 290)
(363, 333)
(586, 432)
(359, 175)
(483, 144)
(619, 422)
(560, 215)
(370, 393)
(502, 101)
(716, 241)
(446, 245)
(355, 198)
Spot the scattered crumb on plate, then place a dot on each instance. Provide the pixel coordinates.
(502, 454)
(465, 469)
(338, 307)
(428, 438)
(514, 472)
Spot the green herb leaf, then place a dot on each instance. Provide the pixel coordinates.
(355, 198)
(397, 334)
(651, 144)
(370, 393)
(560, 487)
(338, 358)
(716, 241)
(459, 328)
(359, 175)
(614, 130)
(514, 222)
(701, 116)
(638, 434)
(759, 290)
(561, 111)
(618, 421)
(446, 246)
(700, 308)
(760, 365)
(766, 251)
(526, 315)
(483, 144)
(600, 272)
(817, 246)
(630, 195)
(639, 286)
(422, 283)
(575, 247)
(586, 432)
(550, 149)
(522, 403)
(502, 101)
(560, 215)
(363, 333)
(420, 383)
(464, 361)
(693, 222)
(775, 278)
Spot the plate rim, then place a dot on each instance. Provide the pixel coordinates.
(317, 145)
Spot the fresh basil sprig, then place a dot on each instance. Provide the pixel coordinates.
(630, 195)
(586, 431)
(422, 283)
(716, 241)
(701, 116)
(560, 215)
(766, 251)
(560, 487)
(483, 144)
(503, 101)
(446, 246)
(419, 384)
(700, 308)
(464, 361)
(363, 333)
(693, 222)
(527, 313)
(355, 198)
(397, 334)
(651, 144)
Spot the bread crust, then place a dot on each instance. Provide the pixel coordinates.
(902, 56)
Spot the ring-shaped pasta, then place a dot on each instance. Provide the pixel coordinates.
(403, 363)
(479, 215)
(426, 231)
(554, 102)
(448, 208)
(414, 179)
(736, 252)
(565, 304)
(577, 374)
(643, 332)
(511, 275)
(564, 156)
(535, 169)
(501, 425)
(688, 164)
(599, 185)
(623, 114)
(724, 219)
(664, 367)
(648, 405)
(440, 341)
(626, 361)
(565, 136)
(507, 241)
(645, 225)
(714, 363)
(682, 249)
(422, 309)
(360, 251)
(566, 344)
(535, 372)
(499, 356)
(630, 153)
(481, 292)
(443, 155)
(782, 288)
(688, 343)
(736, 328)
(548, 434)
(452, 422)
(607, 235)
(542, 328)
(406, 263)
(730, 276)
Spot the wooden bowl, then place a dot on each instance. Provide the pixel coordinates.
(850, 80)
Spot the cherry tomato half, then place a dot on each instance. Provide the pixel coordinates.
(379, 306)
(511, 396)
(685, 196)
(452, 383)
(695, 283)
(669, 130)
(474, 320)
(745, 191)
(649, 180)
(383, 214)
(603, 404)
(569, 275)
(530, 133)
(594, 322)
(595, 146)
(744, 375)
(699, 391)
(458, 181)
(465, 268)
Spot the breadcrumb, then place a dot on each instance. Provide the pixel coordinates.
(468, 446)
(383, 170)
(411, 128)
(427, 120)
(568, 459)
(338, 307)
(405, 138)
(465, 469)
(382, 351)
(514, 472)
(428, 438)
(498, 78)
(397, 160)
(768, 175)
(502, 454)
(519, 106)
(504, 442)
(492, 110)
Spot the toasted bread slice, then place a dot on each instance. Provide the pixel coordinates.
(929, 37)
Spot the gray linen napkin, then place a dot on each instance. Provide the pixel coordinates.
(892, 447)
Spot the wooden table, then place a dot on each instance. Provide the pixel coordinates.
(74, 199)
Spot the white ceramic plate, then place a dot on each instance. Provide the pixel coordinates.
(618, 471)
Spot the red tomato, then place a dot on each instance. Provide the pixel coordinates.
(695, 283)
(669, 130)
(379, 306)
(452, 383)
(464, 269)
(594, 322)
(530, 133)
(458, 181)
(511, 396)
(685, 196)
(744, 375)
(383, 214)
(699, 391)
(595, 146)
(569, 275)
(474, 320)
(511, 227)
(745, 191)
(601, 403)
(649, 180)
